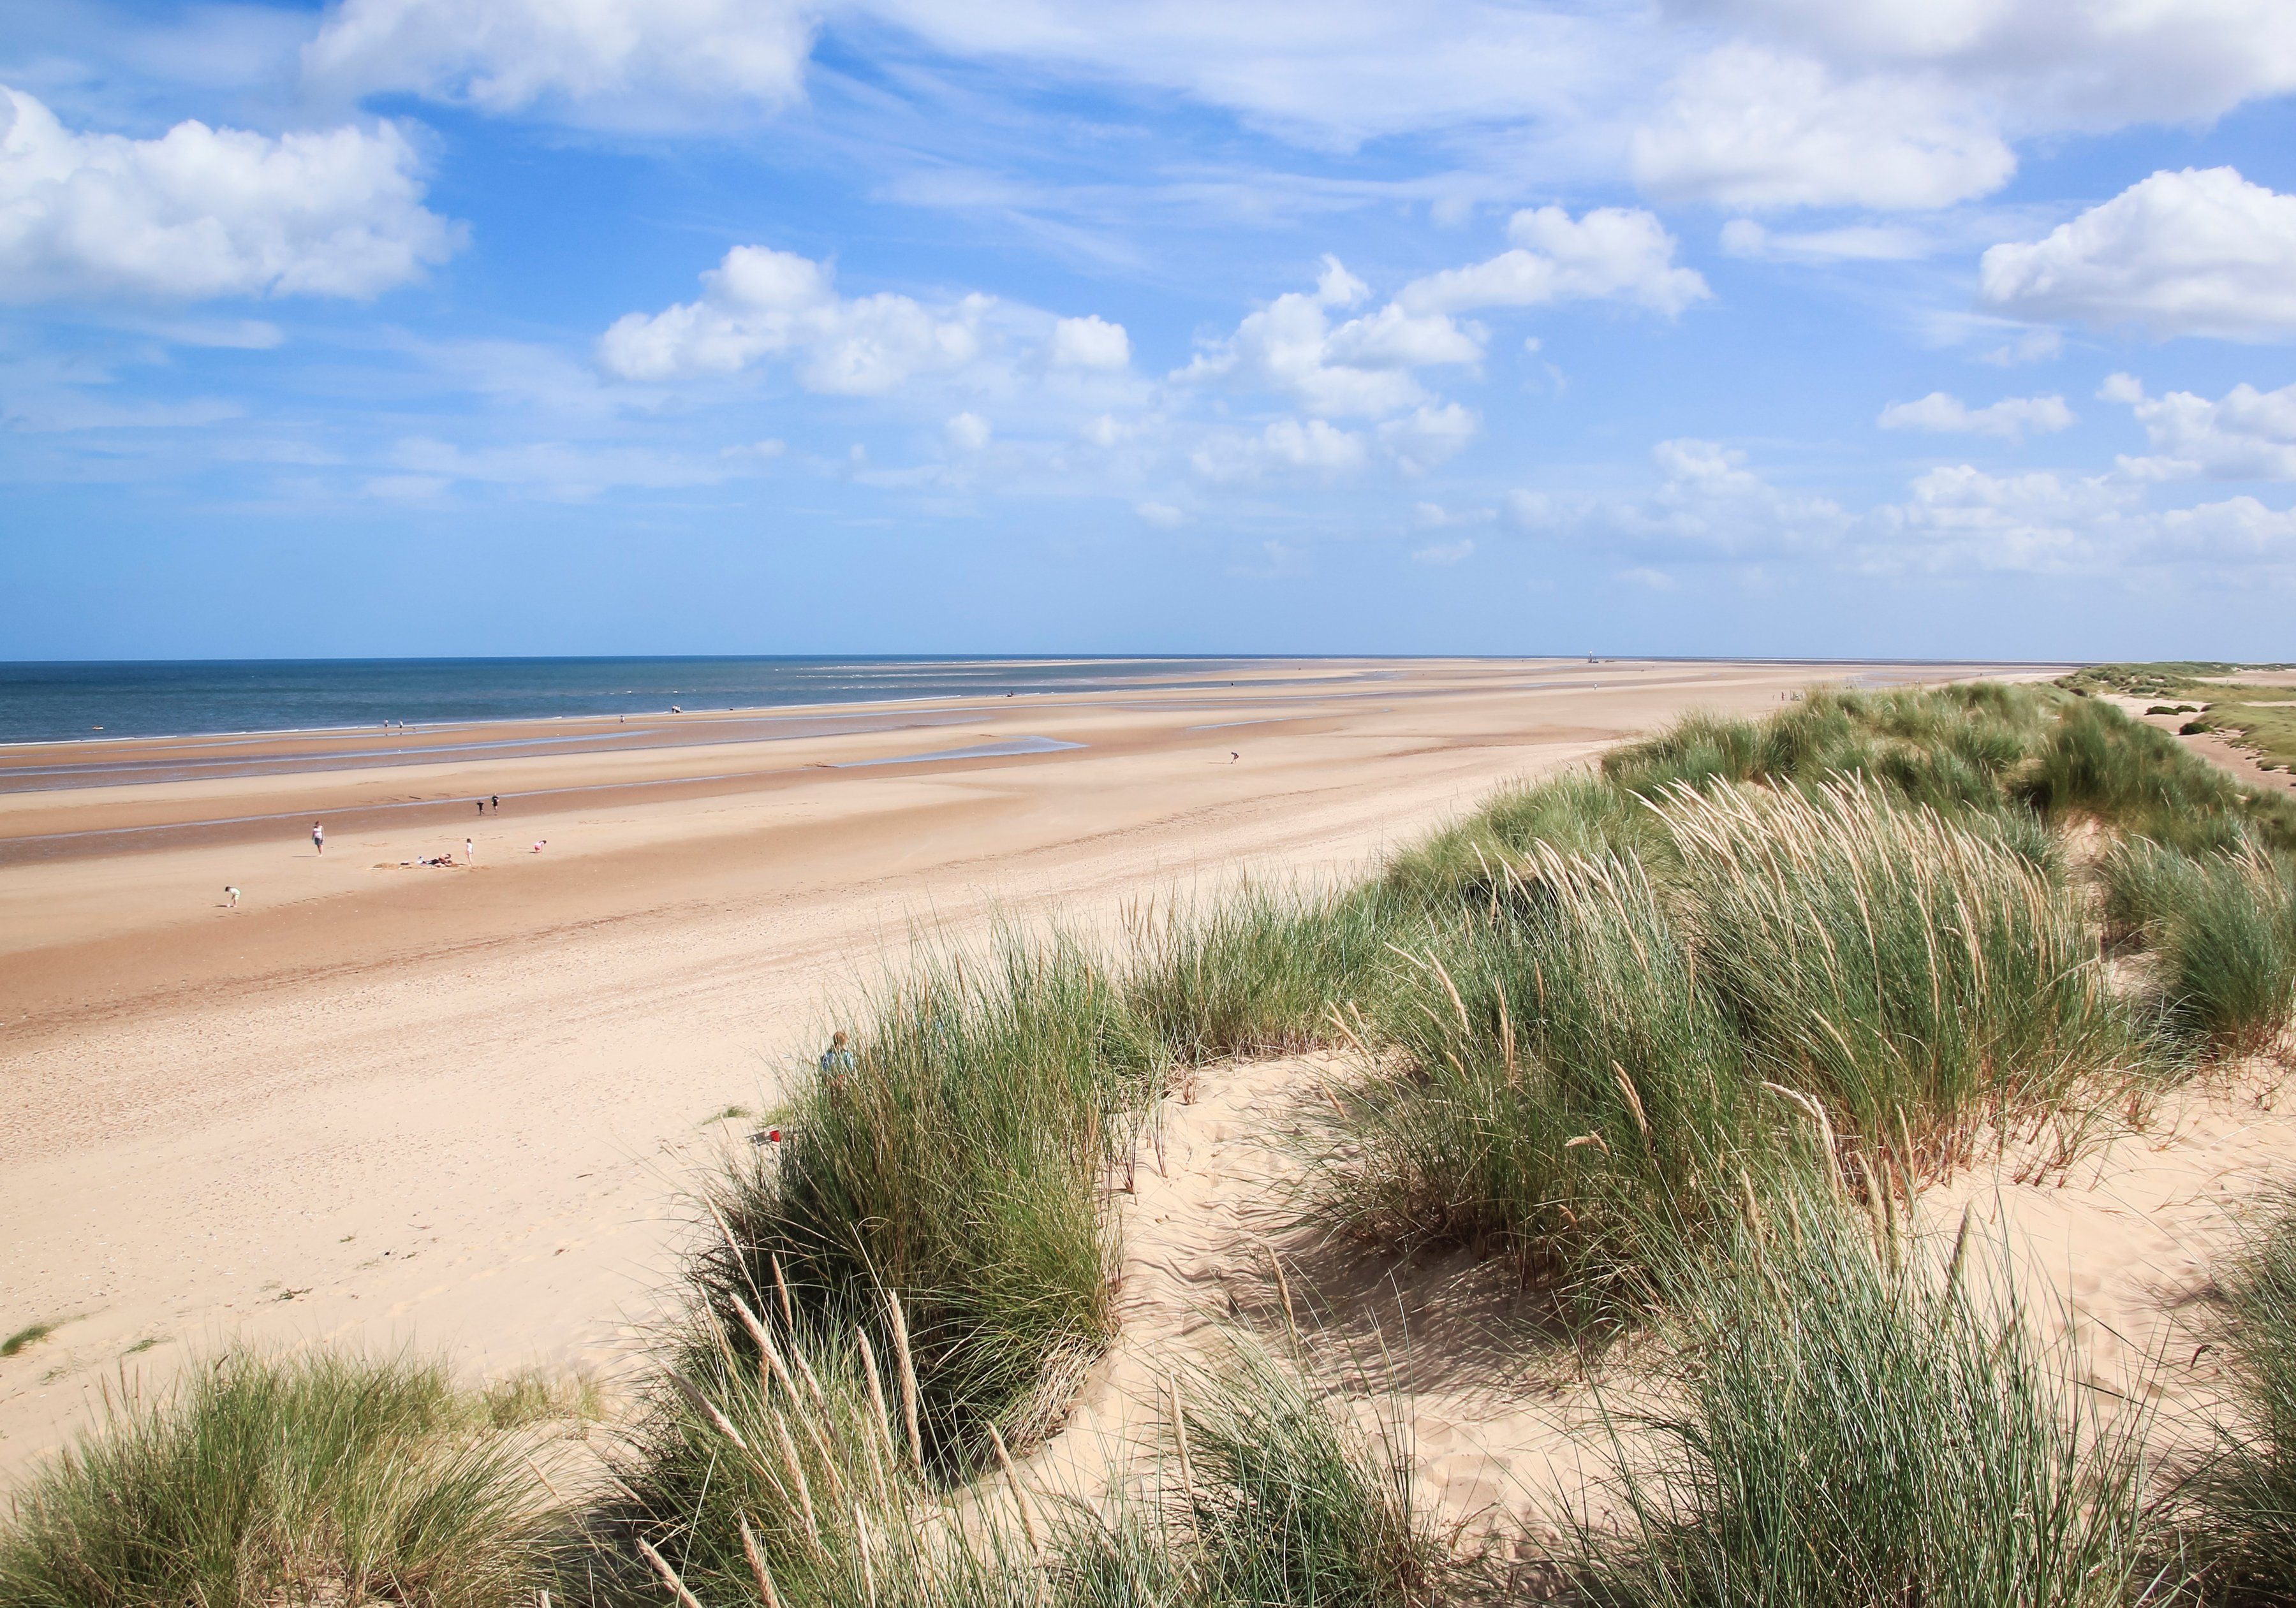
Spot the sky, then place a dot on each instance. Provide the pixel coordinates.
(1905, 328)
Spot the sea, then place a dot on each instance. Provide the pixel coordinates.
(58, 702)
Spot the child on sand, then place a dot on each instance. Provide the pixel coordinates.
(837, 1060)
(318, 837)
(232, 894)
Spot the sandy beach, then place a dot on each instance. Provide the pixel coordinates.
(384, 1101)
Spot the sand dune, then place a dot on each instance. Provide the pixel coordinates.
(391, 1102)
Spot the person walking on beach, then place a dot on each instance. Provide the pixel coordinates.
(470, 853)
(318, 837)
(482, 806)
(495, 799)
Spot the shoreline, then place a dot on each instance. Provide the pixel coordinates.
(758, 711)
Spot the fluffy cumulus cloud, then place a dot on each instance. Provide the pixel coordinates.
(1708, 506)
(640, 64)
(2247, 435)
(1612, 253)
(2010, 418)
(1313, 446)
(203, 212)
(2196, 252)
(1429, 435)
(1355, 367)
(1750, 127)
(1960, 518)
(1090, 343)
(761, 303)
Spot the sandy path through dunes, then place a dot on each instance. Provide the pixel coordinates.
(453, 1106)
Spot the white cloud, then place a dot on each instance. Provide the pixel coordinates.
(1335, 286)
(2031, 345)
(1747, 127)
(1392, 338)
(1163, 515)
(1090, 343)
(2248, 435)
(559, 469)
(968, 432)
(1429, 435)
(1964, 518)
(1313, 444)
(1959, 518)
(1852, 243)
(1329, 74)
(204, 212)
(2049, 63)
(1610, 253)
(1358, 368)
(2196, 252)
(2009, 418)
(1445, 552)
(1434, 515)
(624, 63)
(1708, 505)
(760, 303)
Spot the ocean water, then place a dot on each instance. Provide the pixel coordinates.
(55, 702)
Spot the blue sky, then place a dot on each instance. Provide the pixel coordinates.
(1906, 327)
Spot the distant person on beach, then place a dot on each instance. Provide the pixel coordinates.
(318, 837)
(496, 800)
(1233, 756)
(482, 806)
(837, 1060)
(232, 894)
(470, 853)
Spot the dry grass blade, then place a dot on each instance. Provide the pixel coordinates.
(685, 1598)
(755, 1555)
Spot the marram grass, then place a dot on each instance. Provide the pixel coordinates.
(264, 1481)
(1848, 1429)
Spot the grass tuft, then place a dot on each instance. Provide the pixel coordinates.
(1904, 968)
(1847, 1434)
(2222, 930)
(268, 1481)
(29, 1335)
(2240, 1511)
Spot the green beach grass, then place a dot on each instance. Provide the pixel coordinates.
(1850, 1429)
(1677, 1037)
(2240, 1508)
(264, 1481)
